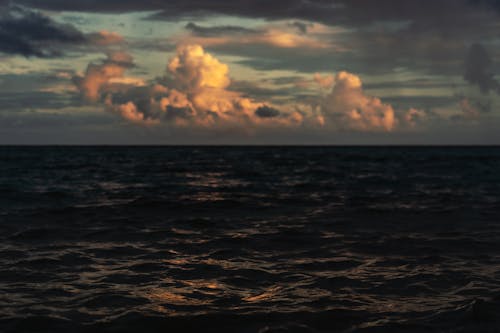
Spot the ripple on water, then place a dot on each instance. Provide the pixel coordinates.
(264, 239)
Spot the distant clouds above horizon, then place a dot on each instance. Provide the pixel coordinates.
(250, 71)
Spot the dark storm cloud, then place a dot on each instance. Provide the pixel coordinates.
(29, 33)
(202, 31)
(478, 69)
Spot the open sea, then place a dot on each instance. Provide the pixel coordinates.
(249, 239)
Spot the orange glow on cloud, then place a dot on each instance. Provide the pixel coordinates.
(326, 81)
(97, 76)
(106, 38)
(275, 36)
(194, 69)
(356, 109)
(196, 94)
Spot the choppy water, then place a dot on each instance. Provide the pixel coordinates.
(193, 239)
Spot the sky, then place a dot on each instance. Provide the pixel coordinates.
(330, 72)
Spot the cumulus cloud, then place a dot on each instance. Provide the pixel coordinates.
(324, 81)
(98, 76)
(348, 106)
(130, 112)
(194, 69)
(414, 117)
(347, 103)
(195, 92)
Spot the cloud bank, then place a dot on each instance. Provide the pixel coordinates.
(195, 93)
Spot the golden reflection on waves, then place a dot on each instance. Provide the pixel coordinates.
(268, 294)
(203, 284)
(185, 293)
(211, 185)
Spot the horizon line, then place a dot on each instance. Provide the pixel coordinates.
(254, 145)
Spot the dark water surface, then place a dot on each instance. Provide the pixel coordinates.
(249, 239)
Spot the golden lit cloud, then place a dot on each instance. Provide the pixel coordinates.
(194, 69)
(97, 76)
(195, 93)
(105, 37)
(348, 106)
(130, 112)
(324, 81)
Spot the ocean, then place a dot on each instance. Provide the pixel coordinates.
(249, 239)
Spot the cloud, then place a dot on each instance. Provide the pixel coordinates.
(334, 12)
(284, 39)
(324, 81)
(130, 112)
(194, 69)
(29, 33)
(348, 106)
(214, 31)
(384, 32)
(379, 36)
(105, 38)
(260, 89)
(278, 36)
(414, 117)
(98, 76)
(400, 40)
(177, 9)
(301, 26)
(468, 109)
(37, 90)
(194, 92)
(426, 36)
(478, 70)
